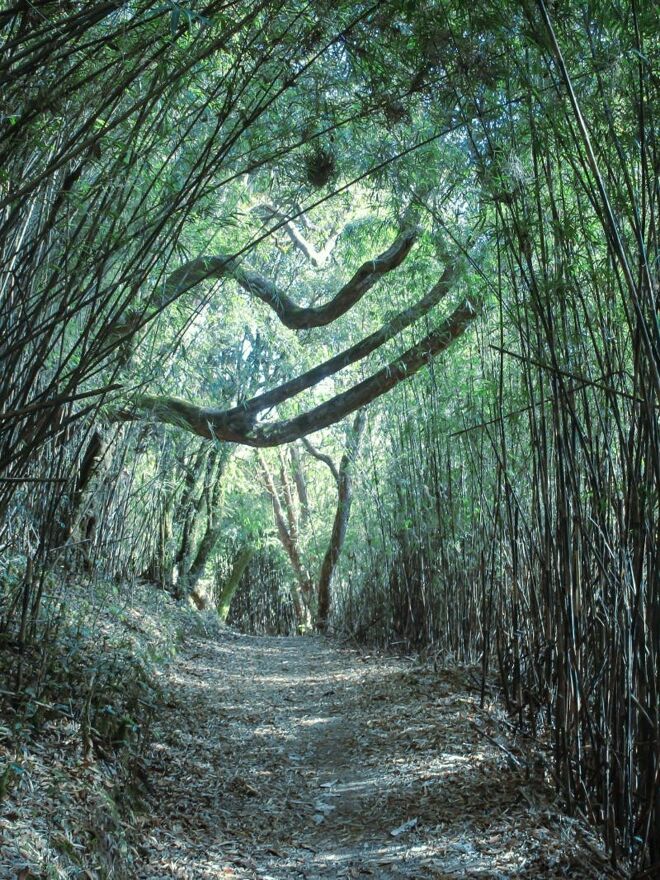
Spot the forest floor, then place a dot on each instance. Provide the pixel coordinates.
(264, 758)
(295, 758)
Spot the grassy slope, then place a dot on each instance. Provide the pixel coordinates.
(71, 777)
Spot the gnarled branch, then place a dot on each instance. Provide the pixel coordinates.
(321, 456)
(293, 316)
(248, 410)
(222, 425)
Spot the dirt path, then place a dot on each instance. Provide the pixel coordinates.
(291, 758)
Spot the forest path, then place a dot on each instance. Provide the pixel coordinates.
(281, 758)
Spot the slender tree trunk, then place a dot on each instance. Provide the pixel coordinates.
(303, 591)
(158, 569)
(231, 584)
(190, 508)
(89, 466)
(190, 581)
(340, 524)
(193, 573)
(301, 486)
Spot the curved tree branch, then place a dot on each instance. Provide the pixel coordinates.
(248, 410)
(220, 425)
(291, 315)
(321, 456)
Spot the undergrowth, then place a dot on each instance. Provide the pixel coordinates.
(76, 705)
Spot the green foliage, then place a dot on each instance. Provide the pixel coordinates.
(506, 497)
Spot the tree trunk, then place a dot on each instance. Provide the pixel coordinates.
(302, 592)
(231, 584)
(158, 568)
(192, 574)
(340, 524)
(189, 582)
(190, 508)
(89, 466)
(301, 486)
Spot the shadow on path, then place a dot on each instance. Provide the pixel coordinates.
(286, 758)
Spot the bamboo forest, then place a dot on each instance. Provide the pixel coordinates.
(329, 439)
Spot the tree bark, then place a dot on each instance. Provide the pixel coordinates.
(89, 466)
(197, 569)
(340, 523)
(293, 316)
(192, 574)
(315, 257)
(189, 508)
(248, 410)
(301, 486)
(158, 569)
(304, 591)
(231, 584)
(224, 425)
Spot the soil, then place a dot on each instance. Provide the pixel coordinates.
(296, 758)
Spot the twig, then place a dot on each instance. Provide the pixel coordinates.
(510, 756)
